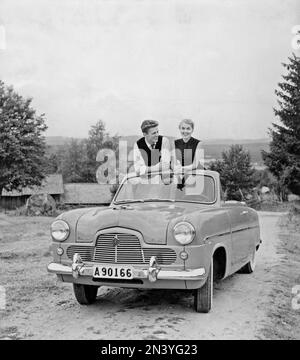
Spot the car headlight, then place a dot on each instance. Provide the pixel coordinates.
(60, 230)
(184, 232)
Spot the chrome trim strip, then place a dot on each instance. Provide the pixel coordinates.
(216, 235)
(229, 232)
(239, 230)
(246, 228)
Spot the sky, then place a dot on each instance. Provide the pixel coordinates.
(217, 62)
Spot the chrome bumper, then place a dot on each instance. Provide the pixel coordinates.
(153, 272)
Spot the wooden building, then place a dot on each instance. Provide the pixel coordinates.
(52, 185)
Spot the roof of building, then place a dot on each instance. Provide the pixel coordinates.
(52, 184)
(87, 193)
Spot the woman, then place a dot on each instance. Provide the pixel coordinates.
(188, 151)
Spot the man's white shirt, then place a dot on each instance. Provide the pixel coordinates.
(139, 163)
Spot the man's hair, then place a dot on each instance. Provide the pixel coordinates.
(188, 122)
(148, 124)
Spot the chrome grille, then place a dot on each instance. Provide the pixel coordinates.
(128, 251)
(164, 256)
(85, 252)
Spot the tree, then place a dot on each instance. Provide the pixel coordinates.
(264, 178)
(77, 159)
(74, 161)
(98, 139)
(283, 159)
(53, 161)
(236, 172)
(22, 144)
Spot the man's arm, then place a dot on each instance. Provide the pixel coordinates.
(138, 161)
(165, 154)
(174, 161)
(164, 163)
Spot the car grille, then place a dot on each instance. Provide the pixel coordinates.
(85, 252)
(127, 251)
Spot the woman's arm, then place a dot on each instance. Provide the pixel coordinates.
(199, 158)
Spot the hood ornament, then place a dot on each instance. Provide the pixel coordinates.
(116, 241)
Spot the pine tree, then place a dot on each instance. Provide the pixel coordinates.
(283, 160)
(236, 172)
(98, 139)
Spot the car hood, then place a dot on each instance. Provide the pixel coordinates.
(151, 219)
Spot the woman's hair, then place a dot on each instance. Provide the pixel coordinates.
(188, 122)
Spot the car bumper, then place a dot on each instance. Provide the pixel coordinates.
(152, 273)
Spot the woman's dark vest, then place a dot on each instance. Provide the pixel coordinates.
(151, 157)
(186, 157)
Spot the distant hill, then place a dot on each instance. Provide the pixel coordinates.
(212, 147)
(57, 140)
(234, 141)
(215, 150)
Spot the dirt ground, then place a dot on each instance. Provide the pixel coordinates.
(256, 306)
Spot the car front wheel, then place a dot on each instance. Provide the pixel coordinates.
(85, 294)
(203, 297)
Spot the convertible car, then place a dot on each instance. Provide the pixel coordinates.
(161, 231)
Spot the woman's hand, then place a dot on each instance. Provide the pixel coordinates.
(178, 169)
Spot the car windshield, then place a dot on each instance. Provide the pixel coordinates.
(187, 188)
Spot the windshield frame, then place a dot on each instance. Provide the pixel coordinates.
(115, 202)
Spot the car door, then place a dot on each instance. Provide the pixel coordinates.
(240, 233)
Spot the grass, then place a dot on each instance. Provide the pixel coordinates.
(24, 255)
(284, 321)
(275, 206)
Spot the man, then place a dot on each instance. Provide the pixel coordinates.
(152, 151)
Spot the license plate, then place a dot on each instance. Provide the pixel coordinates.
(113, 272)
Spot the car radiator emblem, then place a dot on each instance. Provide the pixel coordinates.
(116, 241)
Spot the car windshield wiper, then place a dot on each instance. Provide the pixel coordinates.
(128, 201)
(159, 199)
